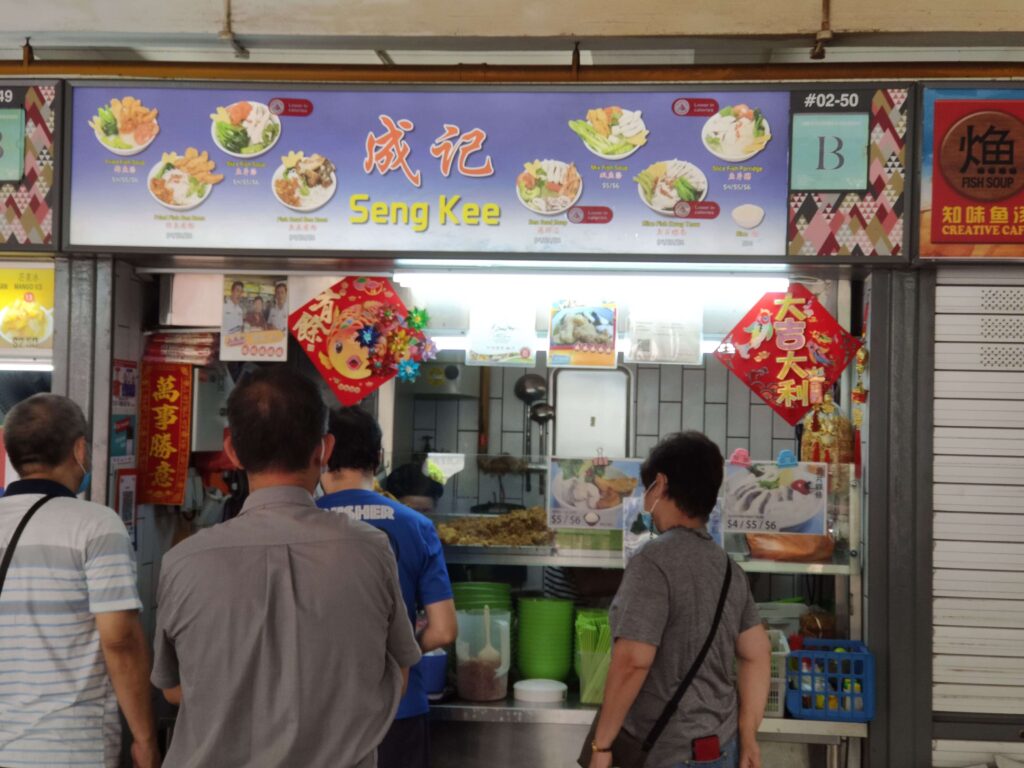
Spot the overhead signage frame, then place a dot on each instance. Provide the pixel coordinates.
(650, 173)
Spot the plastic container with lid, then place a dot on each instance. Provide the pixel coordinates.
(540, 691)
(478, 676)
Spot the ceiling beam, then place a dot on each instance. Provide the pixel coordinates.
(514, 74)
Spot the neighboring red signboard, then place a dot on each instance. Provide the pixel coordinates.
(978, 172)
(789, 350)
(165, 420)
(359, 335)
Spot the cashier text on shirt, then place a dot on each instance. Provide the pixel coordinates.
(367, 512)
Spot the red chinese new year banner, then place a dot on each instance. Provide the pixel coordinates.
(789, 350)
(359, 335)
(165, 421)
(978, 172)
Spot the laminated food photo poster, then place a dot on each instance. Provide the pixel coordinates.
(773, 497)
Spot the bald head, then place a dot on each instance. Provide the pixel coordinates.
(277, 420)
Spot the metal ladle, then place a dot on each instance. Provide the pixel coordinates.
(543, 414)
(529, 388)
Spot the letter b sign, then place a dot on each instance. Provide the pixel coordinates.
(830, 152)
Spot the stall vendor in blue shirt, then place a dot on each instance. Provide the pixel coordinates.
(348, 485)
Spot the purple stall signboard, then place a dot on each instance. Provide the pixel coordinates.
(645, 172)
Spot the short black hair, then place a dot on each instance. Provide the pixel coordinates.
(693, 465)
(409, 480)
(42, 430)
(357, 440)
(238, 284)
(277, 418)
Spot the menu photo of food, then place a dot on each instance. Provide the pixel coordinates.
(305, 183)
(665, 184)
(549, 187)
(766, 497)
(612, 133)
(748, 216)
(591, 493)
(182, 182)
(26, 308)
(736, 133)
(125, 126)
(583, 336)
(245, 129)
(26, 323)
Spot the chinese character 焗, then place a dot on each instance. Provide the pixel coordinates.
(996, 149)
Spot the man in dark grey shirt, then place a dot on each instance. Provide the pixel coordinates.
(662, 615)
(282, 633)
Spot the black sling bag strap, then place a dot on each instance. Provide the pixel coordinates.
(9, 552)
(673, 705)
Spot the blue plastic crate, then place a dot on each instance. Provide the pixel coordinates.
(823, 684)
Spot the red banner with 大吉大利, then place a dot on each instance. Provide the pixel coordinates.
(789, 350)
(165, 420)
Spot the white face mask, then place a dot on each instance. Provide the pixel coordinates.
(324, 469)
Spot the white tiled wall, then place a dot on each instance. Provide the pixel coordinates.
(668, 399)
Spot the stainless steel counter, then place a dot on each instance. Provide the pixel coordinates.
(550, 556)
(573, 713)
(510, 732)
(510, 711)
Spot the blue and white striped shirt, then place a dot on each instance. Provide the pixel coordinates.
(74, 560)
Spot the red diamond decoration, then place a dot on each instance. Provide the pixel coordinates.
(789, 350)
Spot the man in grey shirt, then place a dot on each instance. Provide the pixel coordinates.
(662, 615)
(282, 633)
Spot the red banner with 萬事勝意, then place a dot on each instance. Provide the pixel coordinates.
(165, 420)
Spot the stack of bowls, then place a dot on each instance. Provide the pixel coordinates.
(471, 595)
(545, 638)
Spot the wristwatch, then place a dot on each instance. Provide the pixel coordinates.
(595, 748)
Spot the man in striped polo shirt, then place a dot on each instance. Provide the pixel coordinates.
(71, 644)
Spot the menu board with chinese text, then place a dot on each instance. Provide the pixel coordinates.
(644, 172)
